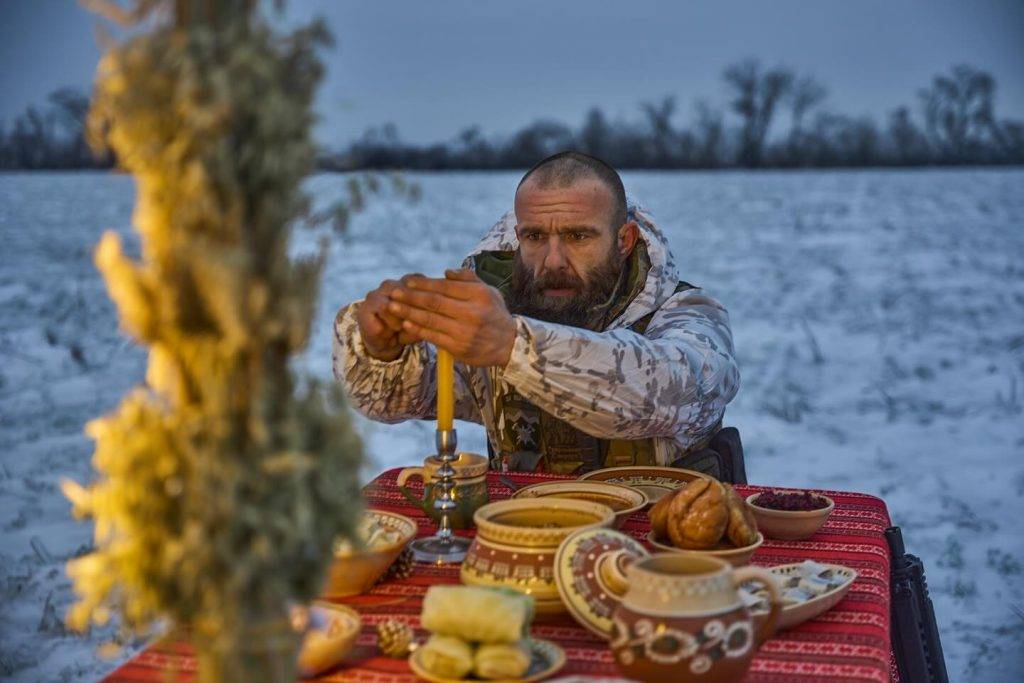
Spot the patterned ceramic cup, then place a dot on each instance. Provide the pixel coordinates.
(681, 619)
(470, 490)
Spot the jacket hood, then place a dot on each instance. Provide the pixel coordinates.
(662, 277)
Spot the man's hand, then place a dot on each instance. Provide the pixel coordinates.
(459, 313)
(382, 332)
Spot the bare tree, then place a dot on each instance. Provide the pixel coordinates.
(70, 107)
(806, 94)
(538, 140)
(709, 135)
(958, 112)
(662, 135)
(596, 134)
(908, 145)
(756, 94)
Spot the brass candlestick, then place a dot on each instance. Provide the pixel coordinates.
(444, 546)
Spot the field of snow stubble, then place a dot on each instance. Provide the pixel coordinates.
(878, 319)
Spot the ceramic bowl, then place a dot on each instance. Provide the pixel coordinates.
(623, 500)
(330, 634)
(789, 525)
(655, 482)
(737, 557)
(357, 571)
(516, 541)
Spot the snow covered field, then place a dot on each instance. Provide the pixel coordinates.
(878, 317)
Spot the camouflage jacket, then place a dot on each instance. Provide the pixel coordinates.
(670, 384)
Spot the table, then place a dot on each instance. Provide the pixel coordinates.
(851, 642)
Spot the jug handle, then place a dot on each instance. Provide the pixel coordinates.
(404, 476)
(612, 568)
(763, 576)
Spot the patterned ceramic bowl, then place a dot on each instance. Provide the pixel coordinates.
(516, 541)
(655, 482)
(623, 500)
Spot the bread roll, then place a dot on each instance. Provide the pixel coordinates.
(505, 661)
(483, 615)
(447, 656)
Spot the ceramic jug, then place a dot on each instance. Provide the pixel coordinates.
(470, 490)
(681, 619)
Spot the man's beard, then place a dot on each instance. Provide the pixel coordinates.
(526, 292)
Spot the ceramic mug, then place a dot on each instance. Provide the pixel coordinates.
(470, 490)
(681, 619)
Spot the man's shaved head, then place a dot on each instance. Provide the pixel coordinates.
(565, 169)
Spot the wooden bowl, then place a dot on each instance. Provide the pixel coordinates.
(790, 525)
(356, 572)
(623, 500)
(737, 557)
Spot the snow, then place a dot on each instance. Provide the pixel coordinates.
(879, 324)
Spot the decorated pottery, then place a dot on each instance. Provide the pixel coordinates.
(516, 541)
(590, 572)
(623, 500)
(355, 572)
(470, 490)
(681, 620)
(794, 613)
(790, 525)
(655, 482)
(737, 557)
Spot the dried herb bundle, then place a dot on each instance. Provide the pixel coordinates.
(224, 480)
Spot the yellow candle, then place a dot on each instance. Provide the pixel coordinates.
(445, 390)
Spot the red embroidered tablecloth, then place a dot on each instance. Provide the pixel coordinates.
(850, 642)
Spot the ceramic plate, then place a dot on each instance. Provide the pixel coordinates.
(792, 615)
(654, 481)
(584, 574)
(546, 660)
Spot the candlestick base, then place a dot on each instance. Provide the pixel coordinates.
(437, 550)
(444, 546)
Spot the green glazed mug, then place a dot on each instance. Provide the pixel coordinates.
(470, 490)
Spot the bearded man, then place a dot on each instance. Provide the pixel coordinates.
(576, 344)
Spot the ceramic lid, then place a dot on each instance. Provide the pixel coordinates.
(590, 568)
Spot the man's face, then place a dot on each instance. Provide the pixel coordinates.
(569, 256)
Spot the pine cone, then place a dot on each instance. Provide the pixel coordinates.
(402, 567)
(394, 638)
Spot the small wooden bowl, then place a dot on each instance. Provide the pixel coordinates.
(356, 572)
(737, 557)
(789, 525)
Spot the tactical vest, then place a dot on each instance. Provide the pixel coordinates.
(531, 439)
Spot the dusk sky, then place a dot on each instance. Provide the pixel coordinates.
(434, 68)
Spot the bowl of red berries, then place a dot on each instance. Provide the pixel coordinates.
(789, 515)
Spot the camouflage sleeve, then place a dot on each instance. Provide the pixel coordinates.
(393, 391)
(673, 381)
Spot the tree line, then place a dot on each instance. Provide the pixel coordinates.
(774, 118)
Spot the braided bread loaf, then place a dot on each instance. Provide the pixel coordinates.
(700, 514)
